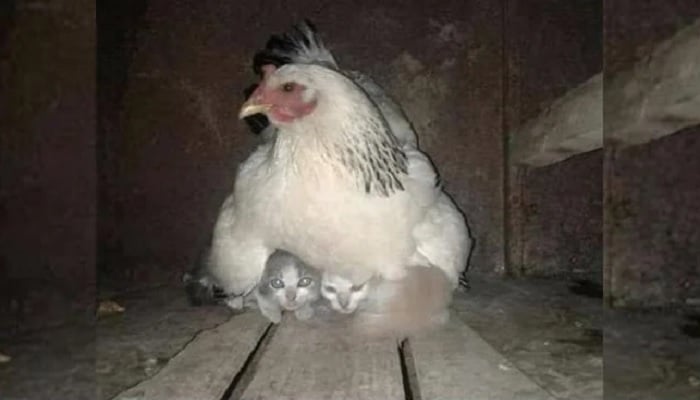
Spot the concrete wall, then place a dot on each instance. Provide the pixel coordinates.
(47, 158)
(180, 140)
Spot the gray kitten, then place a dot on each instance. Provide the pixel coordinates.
(287, 283)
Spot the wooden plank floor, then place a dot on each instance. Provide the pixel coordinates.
(318, 363)
(456, 363)
(246, 359)
(205, 368)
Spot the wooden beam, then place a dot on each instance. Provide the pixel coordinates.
(515, 223)
(309, 362)
(456, 363)
(609, 192)
(206, 367)
(660, 95)
(571, 125)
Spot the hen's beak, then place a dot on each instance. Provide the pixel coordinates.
(250, 107)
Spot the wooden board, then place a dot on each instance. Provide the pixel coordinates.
(660, 95)
(572, 124)
(305, 362)
(456, 363)
(205, 368)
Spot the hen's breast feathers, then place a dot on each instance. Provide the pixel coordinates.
(317, 215)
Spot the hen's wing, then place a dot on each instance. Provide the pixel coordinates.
(392, 112)
(235, 258)
(442, 237)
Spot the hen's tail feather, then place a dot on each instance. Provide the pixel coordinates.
(201, 291)
(199, 285)
(300, 45)
(414, 305)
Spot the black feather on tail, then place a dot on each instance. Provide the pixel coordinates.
(199, 286)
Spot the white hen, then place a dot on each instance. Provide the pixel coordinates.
(342, 185)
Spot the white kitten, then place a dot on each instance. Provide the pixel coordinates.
(399, 308)
(288, 284)
(342, 294)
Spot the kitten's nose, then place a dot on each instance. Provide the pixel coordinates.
(343, 301)
(291, 295)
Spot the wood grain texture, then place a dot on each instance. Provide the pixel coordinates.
(205, 368)
(573, 124)
(306, 362)
(660, 95)
(456, 363)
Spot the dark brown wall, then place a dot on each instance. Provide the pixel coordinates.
(564, 218)
(47, 161)
(553, 46)
(652, 212)
(654, 249)
(554, 212)
(181, 141)
(634, 27)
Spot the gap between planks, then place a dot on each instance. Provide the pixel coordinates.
(320, 360)
(209, 365)
(247, 372)
(243, 378)
(408, 371)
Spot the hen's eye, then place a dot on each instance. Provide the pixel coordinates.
(303, 282)
(330, 289)
(277, 283)
(288, 87)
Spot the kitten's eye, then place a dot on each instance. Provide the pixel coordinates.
(356, 288)
(330, 289)
(277, 283)
(304, 282)
(288, 87)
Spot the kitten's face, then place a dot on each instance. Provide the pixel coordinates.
(342, 294)
(289, 282)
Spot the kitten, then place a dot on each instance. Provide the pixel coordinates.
(288, 284)
(342, 294)
(409, 306)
